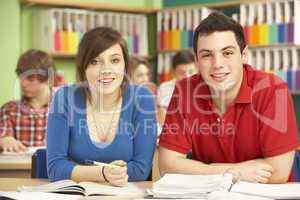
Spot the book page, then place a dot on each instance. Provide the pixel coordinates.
(178, 184)
(93, 188)
(63, 186)
(38, 196)
(222, 195)
(276, 191)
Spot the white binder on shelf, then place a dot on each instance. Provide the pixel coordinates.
(296, 18)
(196, 12)
(143, 29)
(45, 23)
(259, 59)
(90, 20)
(99, 19)
(267, 64)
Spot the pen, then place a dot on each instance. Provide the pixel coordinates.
(91, 162)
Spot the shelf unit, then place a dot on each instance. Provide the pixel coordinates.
(72, 55)
(251, 47)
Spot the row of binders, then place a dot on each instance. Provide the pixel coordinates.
(175, 27)
(60, 30)
(271, 22)
(284, 62)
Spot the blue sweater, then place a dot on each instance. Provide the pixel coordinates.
(69, 143)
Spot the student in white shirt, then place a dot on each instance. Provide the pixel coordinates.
(183, 66)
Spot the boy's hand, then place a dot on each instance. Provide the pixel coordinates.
(255, 171)
(10, 144)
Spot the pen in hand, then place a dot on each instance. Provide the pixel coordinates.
(91, 162)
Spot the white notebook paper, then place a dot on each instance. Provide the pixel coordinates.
(274, 191)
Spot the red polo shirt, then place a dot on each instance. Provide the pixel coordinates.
(260, 123)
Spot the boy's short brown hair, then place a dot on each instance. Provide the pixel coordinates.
(36, 63)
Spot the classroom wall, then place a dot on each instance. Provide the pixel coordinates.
(9, 47)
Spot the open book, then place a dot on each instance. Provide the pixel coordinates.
(84, 188)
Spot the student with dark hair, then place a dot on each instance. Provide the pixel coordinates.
(101, 118)
(183, 65)
(23, 122)
(234, 118)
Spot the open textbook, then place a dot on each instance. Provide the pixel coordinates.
(84, 188)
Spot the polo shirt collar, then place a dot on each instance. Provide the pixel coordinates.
(244, 95)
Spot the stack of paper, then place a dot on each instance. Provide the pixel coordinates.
(189, 186)
(274, 191)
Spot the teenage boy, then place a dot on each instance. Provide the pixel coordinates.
(23, 122)
(232, 116)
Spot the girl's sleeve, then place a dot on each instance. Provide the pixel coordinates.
(145, 135)
(59, 166)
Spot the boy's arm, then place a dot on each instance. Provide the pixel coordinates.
(266, 170)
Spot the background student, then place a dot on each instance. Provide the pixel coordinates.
(183, 65)
(101, 117)
(139, 70)
(231, 115)
(23, 122)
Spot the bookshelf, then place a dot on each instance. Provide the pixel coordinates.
(257, 19)
(177, 22)
(64, 60)
(62, 55)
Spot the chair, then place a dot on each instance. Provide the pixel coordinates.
(150, 176)
(39, 164)
(296, 166)
(189, 155)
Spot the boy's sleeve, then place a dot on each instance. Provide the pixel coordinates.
(6, 121)
(278, 130)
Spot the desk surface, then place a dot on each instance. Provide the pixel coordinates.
(11, 184)
(12, 162)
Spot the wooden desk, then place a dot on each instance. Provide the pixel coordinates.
(15, 166)
(11, 184)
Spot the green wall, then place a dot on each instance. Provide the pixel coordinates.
(9, 47)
